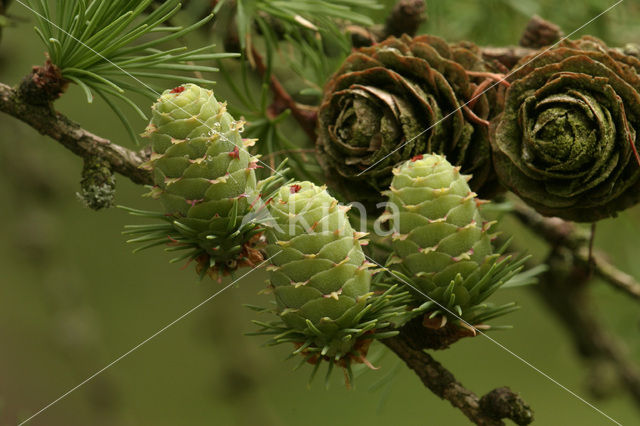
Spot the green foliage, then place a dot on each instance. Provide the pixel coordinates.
(463, 19)
(467, 19)
(112, 48)
(311, 31)
(309, 37)
(319, 16)
(273, 132)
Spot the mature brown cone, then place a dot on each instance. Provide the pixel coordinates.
(400, 98)
(566, 140)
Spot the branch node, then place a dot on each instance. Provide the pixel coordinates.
(503, 403)
(43, 85)
(539, 33)
(443, 384)
(306, 116)
(422, 337)
(405, 18)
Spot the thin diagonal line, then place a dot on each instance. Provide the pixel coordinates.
(488, 88)
(88, 379)
(146, 85)
(499, 344)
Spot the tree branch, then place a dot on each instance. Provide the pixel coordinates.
(558, 232)
(486, 411)
(87, 145)
(612, 275)
(564, 289)
(81, 142)
(306, 116)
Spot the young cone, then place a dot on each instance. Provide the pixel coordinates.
(204, 177)
(321, 280)
(441, 244)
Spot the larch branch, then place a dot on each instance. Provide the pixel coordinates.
(44, 119)
(486, 411)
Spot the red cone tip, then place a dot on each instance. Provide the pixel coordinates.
(235, 153)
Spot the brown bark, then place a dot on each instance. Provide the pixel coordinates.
(44, 119)
(486, 411)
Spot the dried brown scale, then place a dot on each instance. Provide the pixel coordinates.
(249, 256)
(401, 98)
(506, 57)
(566, 141)
(505, 49)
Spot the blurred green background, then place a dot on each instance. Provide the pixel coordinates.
(73, 298)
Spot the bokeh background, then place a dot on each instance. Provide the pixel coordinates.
(73, 298)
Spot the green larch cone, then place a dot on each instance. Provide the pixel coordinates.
(204, 177)
(442, 246)
(321, 279)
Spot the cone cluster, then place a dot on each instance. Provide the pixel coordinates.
(325, 301)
